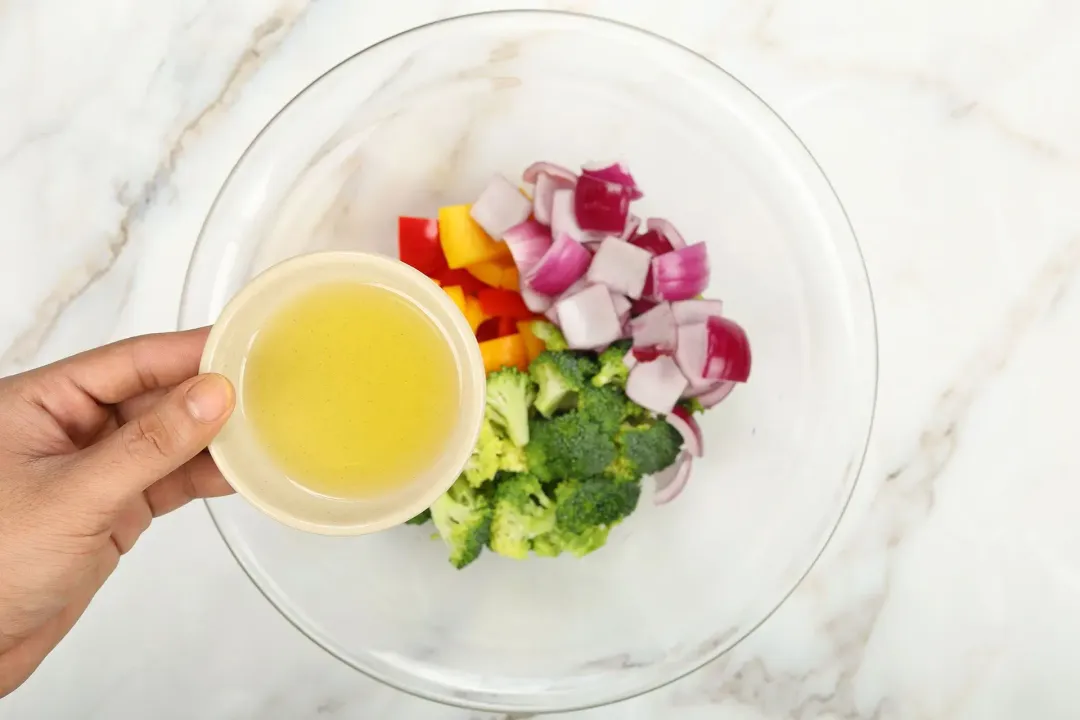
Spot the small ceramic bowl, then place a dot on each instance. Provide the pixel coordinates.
(244, 461)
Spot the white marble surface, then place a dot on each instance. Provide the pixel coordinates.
(948, 129)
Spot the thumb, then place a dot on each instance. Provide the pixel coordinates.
(152, 445)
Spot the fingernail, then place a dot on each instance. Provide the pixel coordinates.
(210, 398)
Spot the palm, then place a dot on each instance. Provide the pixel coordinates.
(79, 444)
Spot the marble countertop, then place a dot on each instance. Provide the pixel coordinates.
(949, 131)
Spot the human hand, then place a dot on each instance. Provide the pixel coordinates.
(92, 448)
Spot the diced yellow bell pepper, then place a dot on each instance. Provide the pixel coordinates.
(508, 351)
(457, 295)
(489, 273)
(510, 280)
(474, 313)
(533, 345)
(496, 273)
(464, 242)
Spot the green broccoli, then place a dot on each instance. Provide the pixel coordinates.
(582, 504)
(513, 459)
(493, 453)
(558, 375)
(522, 512)
(568, 445)
(692, 406)
(509, 394)
(612, 368)
(651, 445)
(548, 334)
(622, 470)
(607, 405)
(420, 518)
(580, 544)
(462, 515)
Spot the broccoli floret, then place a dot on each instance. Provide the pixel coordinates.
(583, 504)
(608, 406)
(548, 334)
(420, 518)
(651, 445)
(622, 470)
(513, 459)
(493, 453)
(522, 512)
(692, 406)
(568, 445)
(462, 515)
(557, 541)
(558, 376)
(484, 461)
(612, 368)
(509, 394)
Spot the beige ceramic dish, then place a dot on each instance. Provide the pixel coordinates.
(243, 460)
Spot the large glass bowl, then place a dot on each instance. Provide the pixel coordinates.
(424, 119)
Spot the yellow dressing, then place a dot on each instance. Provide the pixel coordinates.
(352, 389)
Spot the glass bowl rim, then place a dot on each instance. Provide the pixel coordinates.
(690, 666)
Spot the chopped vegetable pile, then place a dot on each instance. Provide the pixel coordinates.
(599, 349)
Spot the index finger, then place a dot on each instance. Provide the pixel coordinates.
(131, 367)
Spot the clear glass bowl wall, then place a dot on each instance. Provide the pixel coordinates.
(424, 119)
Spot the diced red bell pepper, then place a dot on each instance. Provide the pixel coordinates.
(507, 326)
(418, 245)
(488, 330)
(469, 284)
(503, 303)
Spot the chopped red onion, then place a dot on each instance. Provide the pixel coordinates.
(588, 319)
(714, 395)
(687, 426)
(574, 289)
(629, 360)
(527, 243)
(552, 314)
(620, 266)
(535, 301)
(653, 241)
(705, 386)
(654, 333)
(647, 353)
(688, 312)
(622, 306)
(642, 306)
(655, 385)
(691, 351)
(681, 274)
(665, 228)
(615, 173)
(544, 195)
(632, 224)
(563, 219)
(728, 354)
(671, 481)
(562, 265)
(500, 207)
(557, 171)
(601, 206)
